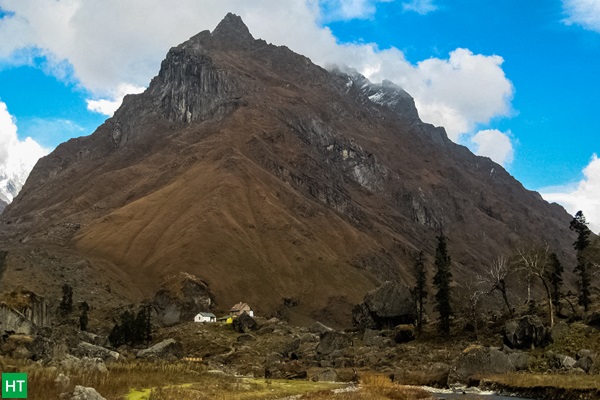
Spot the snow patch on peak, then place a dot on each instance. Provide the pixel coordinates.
(17, 157)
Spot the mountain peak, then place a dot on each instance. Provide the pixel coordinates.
(232, 31)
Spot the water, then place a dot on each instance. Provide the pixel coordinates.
(470, 393)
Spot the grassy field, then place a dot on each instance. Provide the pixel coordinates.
(529, 380)
(546, 386)
(187, 381)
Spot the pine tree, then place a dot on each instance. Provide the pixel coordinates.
(66, 304)
(83, 321)
(555, 278)
(134, 329)
(420, 289)
(579, 225)
(116, 337)
(442, 282)
(148, 326)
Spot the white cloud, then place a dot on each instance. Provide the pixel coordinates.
(420, 6)
(458, 93)
(494, 144)
(465, 90)
(109, 106)
(334, 10)
(583, 12)
(8, 132)
(585, 197)
(17, 157)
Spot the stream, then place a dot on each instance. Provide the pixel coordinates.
(470, 393)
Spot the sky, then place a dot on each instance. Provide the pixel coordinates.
(513, 80)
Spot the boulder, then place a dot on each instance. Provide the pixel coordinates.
(169, 349)
(288, 370)
(32, 347)
(375, 338)
(319, 328)
(13, 321)
(520, 360)
(91, 350)
(404, 333)
(560, 361)
(564, 310)
(179, 299)
(476, 362)
(290, 349)
(585, 360)
(82, 393)
(438, 373)
(593, 319)
(526, 333)
(389, 305)
(244, 323)
(327, 375)
(333, 341)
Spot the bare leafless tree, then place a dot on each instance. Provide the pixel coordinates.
(534, 263)
(494, 278)
(470, 294)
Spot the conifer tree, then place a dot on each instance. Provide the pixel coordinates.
(555, 278)
(442, 282)
(83, 318)
(420, 289)
(66, 304)
(579, 225)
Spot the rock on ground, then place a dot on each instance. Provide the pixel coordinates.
(327, 375)
(560, 361)
(520, 360)
(332, 341)
(82, 393)
(319, 328)
(526, 333)
(389, 305)
(91, 350)
(166, 350)
(586, 360)
(244, 323)
(476, 361)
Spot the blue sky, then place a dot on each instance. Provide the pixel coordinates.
(513, 80)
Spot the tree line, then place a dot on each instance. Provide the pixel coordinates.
(132, 329)
(534, 264)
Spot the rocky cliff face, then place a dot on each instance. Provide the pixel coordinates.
(269, 177)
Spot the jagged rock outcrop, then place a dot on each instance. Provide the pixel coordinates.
(252, 168)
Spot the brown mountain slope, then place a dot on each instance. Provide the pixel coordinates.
(269, 178)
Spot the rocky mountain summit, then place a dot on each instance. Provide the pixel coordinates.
(268, 178)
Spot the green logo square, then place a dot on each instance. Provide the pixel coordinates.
(14, 385)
